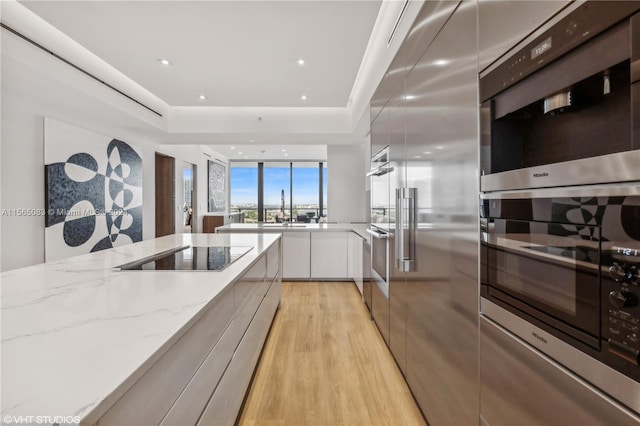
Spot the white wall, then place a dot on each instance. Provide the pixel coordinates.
(22, 158)
(346, 192)
(31, 91)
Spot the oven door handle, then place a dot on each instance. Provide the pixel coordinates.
(378, 235)
(406, 228)
(380, 171)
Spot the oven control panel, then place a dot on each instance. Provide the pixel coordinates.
(623, 301)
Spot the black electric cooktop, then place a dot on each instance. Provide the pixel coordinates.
(189, 258)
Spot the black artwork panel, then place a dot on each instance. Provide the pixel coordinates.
(78, 231)
(63, 193)
(129, 157)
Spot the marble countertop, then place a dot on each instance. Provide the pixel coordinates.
(358, 228)
(76, 333)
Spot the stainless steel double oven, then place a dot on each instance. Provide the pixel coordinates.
(382, 218)
(560, 200)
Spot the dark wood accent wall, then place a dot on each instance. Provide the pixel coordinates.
(165, 195)
(210, 223)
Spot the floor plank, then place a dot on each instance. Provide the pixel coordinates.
(325, 363)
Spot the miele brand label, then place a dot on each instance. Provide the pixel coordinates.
(543, 174)
(537, 336)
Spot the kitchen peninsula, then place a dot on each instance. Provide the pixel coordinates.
(315, 251)
(85, 342)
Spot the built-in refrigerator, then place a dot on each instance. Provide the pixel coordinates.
(425, 116)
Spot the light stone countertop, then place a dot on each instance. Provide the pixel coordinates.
(76, 333)
(358, 228)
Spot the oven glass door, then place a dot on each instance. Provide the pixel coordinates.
(547, 271)
(380, 254)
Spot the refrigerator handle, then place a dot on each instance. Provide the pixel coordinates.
(406, 228)
(399, 230)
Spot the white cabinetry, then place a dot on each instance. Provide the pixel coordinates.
(204, 376)
(296, 254)
(354, 265)
(329, 255)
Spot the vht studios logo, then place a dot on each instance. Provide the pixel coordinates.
(543, 174)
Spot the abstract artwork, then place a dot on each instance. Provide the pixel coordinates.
(217, 186)
(93, 189)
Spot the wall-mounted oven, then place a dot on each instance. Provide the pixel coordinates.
(568, 99)
(382, 217)
(560, 197)
(567, 261)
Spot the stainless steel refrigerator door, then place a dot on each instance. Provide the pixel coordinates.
(397, 284)
(520, 385)
(442, 292)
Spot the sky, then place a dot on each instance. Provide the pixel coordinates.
(244, 185)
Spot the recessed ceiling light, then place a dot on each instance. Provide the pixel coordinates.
(427, 152)
(439, 147)
(286, 155)
(300, 61)
(239, 152)
(303, 97)
(164, 62)
(416, 156)
(202, 97)
(232, 148)
(410, 97)
(283, 150)
(252, 140)
(246, 156)
(441, 62)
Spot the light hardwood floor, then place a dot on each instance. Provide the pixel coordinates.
(325, 363)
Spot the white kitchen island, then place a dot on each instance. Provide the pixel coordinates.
(85, 343)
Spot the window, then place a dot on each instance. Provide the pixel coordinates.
(244, 190)
(277, 191)
(305, 188)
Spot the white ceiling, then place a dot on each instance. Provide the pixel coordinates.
(240, 54)
(237, 53)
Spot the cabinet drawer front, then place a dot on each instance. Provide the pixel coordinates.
(273, 261)
(195, 396)
(149, 399)
(224, 407)
(552, 395)
(249, 292)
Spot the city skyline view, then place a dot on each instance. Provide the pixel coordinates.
(244, 186)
